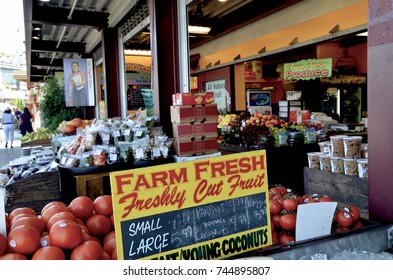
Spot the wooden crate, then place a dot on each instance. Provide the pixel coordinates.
(344, 189)
(32, 143)
(91, 185)
(34, 191)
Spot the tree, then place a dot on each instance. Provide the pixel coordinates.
(52, 104)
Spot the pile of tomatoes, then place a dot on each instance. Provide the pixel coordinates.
(283, 208)
(82, 230)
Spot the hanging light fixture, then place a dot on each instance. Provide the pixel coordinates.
(199, 10)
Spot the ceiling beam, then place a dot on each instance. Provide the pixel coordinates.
(46, 62)
(59, 16)
(40, 72)
(51, 46)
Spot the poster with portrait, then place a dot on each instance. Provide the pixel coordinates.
(78, 82)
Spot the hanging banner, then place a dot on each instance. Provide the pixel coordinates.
(78, 82)
(308, 69)
(211, 208)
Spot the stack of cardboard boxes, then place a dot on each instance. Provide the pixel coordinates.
(194, 123)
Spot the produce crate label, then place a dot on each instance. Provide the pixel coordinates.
(194, 113)
(210, 208)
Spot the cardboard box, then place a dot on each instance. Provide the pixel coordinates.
(207, 129)
(253, 69)
(299, 116)
(194, 113)
(195, 148)
(193, 99)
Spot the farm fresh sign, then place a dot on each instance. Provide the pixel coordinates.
(211, 208)
(308, 69)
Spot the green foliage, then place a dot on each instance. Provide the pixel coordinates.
(52, 104)
(19, 103)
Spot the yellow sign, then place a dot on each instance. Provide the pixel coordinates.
(211, 208)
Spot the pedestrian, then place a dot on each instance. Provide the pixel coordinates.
(25, 124)
(77, 90)
(17, 114)
(8, 126)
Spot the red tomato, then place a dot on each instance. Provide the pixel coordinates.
(290, 204)
(3, 244)
(357, 224)
(275, 207)
(82, 207)
(288, 221)
(343, 218)
(66, 234)
(114, 255)
(285, 239)
(52, 210)
(13, 256)
(98, 225)
(109, 242)
(50, 204)
(22, 215)
(49, 253)
(354, 212)
(276, 220)
(21, 210)
(60, 216)
(24, 239)
(105, 256)
(88, 250)
(45, 241)
(112, 219)
(103, 205)
(31, 221)
(325, 199)
(300, 199)
(275, 238)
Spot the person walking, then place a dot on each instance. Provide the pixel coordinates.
(8, 126)
(25, 124)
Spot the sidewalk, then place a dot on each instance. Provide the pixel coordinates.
(8, 154)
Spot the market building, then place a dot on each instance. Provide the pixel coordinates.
(286, 47)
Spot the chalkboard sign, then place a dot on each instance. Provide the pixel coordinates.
(211, 208)
(137, 99)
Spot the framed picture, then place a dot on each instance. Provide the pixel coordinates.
(78, 82)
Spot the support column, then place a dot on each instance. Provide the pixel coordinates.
(111, 58)
(380, 104)
(164, 47)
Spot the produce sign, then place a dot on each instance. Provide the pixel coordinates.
(211, 208)
(308, 69)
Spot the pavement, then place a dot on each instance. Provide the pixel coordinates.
(9, 154)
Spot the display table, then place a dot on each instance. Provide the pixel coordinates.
(284, 164)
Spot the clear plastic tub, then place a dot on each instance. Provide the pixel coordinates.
(337, 145)
(351, 167)
(363, 168)
(325, 147)
(313, 159)
(352, 146)
(364, 150)
(337, 165)
(324, 162)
